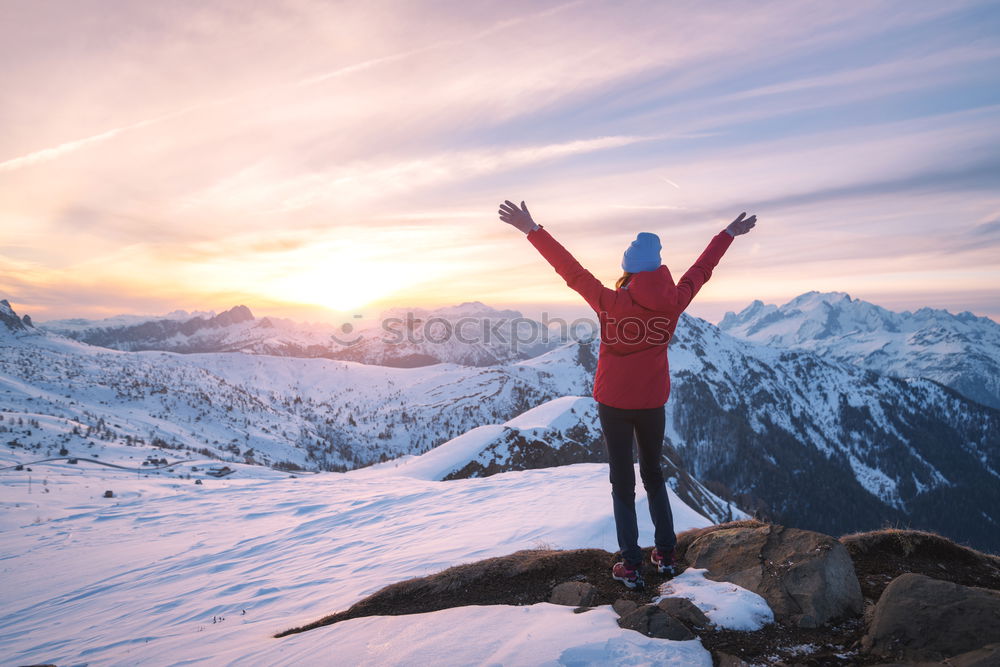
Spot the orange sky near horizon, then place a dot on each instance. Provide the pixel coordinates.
(314, 160)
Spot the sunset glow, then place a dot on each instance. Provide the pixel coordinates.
(320, 158)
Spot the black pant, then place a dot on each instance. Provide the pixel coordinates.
(621, 428)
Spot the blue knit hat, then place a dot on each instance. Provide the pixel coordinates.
(643, 254)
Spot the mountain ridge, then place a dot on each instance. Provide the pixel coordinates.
(811, 441)
(405, 337)
(961, 350)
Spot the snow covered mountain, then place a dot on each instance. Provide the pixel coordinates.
(470, 334)
(824, 444)
(809, 441)
(234, 330)
(961, 351)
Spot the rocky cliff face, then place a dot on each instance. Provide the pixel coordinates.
(9, 319)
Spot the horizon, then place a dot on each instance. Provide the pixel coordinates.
(313, 162)
(532, 311)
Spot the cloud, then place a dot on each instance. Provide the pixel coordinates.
(264, 188)
(277, 130)
(982, 176)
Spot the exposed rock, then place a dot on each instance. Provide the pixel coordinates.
(9, 318)
(574, 594)
(652, 621)
(684, 610)
(624, 607)
(232, 316)
(920, 618)
(806, 577)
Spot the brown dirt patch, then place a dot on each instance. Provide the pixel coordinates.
(778, 644)
(881, 556)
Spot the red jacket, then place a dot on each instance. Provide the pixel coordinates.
(637, 321)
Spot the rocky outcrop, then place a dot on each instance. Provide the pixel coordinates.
(920, 618)
(574, 594)
(793, 569)
(9, 319)
(671, 618)
(685, 611)
(577, 577)
(807, 578)
(653, 621)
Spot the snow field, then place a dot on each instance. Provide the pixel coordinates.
(162, 573)
(541, 634)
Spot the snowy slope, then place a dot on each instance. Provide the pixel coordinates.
(560, 432)
(312, 413)
(170, 572)
(961, 351)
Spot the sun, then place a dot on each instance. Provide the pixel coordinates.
(341, 284)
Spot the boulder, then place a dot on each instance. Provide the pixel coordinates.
(652, 621)
(574, 594)
(624, 607)
(919, 618)
(806, 577)
(685, 611)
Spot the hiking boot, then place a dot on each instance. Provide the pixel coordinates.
(665, 562)
(628, 575)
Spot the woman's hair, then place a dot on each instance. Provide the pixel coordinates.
(624, 280)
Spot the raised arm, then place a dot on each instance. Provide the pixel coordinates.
(578, 278)
(699, 273)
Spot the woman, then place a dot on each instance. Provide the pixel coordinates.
(632, 382)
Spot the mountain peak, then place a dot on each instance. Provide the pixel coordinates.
(814, 298)
(234, 315)
(929, 342)
(9, 318)
(475, 309)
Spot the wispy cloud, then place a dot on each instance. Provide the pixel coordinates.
(46, 154)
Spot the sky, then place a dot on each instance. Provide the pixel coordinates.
(316, 160)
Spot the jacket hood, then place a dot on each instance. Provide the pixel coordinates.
(653, 290)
